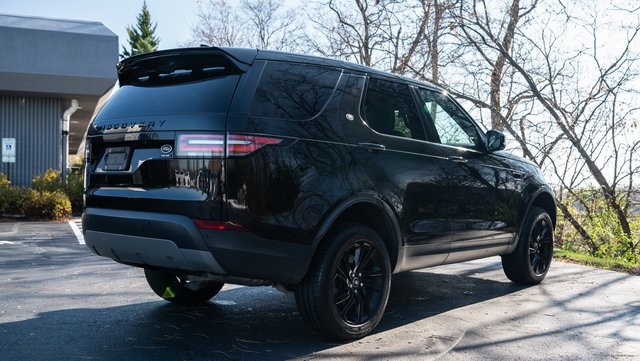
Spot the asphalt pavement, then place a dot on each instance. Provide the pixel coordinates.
(58, 301)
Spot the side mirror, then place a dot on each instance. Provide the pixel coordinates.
(495, 141)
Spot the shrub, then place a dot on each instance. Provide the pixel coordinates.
(49, 182)
(601, 223)
(47, 205)
(4, 181)
(48, 199)
(12, 200)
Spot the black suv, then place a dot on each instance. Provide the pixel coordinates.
(245, 166)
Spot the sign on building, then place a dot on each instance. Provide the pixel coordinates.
(8, 150)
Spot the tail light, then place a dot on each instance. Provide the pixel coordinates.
(200, 145)
(238, 145)
(213, 145)
(218, 225)
(87, 150)
(87, 164)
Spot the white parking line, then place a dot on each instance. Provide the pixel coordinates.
(76, 231)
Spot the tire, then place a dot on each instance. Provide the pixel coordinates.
(346, 290)
(530, 261)
(179, 289)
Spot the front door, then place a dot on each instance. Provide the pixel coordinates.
(485, 191)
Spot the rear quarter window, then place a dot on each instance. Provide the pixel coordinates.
(293, 91)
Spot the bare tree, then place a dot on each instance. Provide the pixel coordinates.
(351, 30)
(580, 90)
(248, 23)
(218, 24)
(273, 27)
(403, 37)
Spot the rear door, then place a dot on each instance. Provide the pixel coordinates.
(158, 144)
(407, 171)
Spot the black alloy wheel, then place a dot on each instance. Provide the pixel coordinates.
(530, 261)
(359, 283)
(541, 246)
(345, 292)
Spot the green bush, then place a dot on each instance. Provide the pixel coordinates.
(49, 182)
(46, 200)
(12, 200)
(47, 205)
(601, 223)
(4, 182)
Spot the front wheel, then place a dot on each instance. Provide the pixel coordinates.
(180, 289)
(530, 261)
(345, 293)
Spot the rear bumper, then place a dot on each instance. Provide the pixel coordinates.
(150, 239)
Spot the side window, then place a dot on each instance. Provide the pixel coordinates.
(388, 108)
(451, 125)
(293, 91)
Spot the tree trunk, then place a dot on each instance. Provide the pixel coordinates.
(498, 68)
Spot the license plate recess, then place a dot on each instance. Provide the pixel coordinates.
(116, 158)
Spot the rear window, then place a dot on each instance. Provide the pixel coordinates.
(293, 91)
(206, 96)
(174, 68)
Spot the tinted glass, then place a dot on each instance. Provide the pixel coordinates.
(208, 96)
(166, 69)
(389, 108)
(293, 91)
(450, 122)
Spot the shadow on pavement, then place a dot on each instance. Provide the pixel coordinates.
(60, 302)
(239, 323)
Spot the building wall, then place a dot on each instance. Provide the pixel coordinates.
(56, 56)
(36, 125)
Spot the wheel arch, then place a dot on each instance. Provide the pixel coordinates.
(370, 211)
(544, 199)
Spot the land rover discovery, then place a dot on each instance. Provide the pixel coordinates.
(220, 165)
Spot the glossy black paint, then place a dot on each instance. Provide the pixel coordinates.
(448, 203)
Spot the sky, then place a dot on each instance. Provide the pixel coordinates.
(174, 18)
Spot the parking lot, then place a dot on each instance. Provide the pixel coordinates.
(58, 301)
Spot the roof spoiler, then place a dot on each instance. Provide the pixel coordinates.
(183, 65)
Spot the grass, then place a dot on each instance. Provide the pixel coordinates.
(604, 263)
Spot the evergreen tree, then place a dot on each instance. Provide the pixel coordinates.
(142, 38)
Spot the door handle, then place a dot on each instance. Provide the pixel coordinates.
(373, 147)
(457, 159)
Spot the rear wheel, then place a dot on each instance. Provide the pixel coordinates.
(345, 292)
(530, 261)
(179, 288)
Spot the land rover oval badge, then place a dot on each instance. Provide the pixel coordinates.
(166, 148)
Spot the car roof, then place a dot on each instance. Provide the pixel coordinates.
(246, 56)
(358, 68)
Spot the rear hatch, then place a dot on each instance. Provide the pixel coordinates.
(158, 144)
